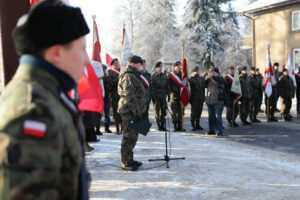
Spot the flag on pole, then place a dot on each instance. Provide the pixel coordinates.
(184, 90)
(269, 78)
(236, 85)
(96, 58)
(291, 67)
(33, 2)
(90, 92)
(126, 50)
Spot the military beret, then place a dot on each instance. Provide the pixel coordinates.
(158, 64)
(215, 70)
(284, 70)
(276, 64)
(243, 68)
(104, 66)
(135, 59)
(143, 61)
(195, 69)
(252, 68)
(46, 24)
(178, 63)
(114, 60)
(257, 69)
(231, 67)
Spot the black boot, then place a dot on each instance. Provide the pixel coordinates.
(117, 129)
(163, 126)
(158, 126)
(256, 120)
(198, 125)
(175, 127)
(180, 127)
(193, 125)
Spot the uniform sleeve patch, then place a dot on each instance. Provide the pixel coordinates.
(34, 128)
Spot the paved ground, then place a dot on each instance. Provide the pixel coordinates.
(261, 161)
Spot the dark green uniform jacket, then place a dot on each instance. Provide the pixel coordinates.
(41, 154)
(247, 90)
(197, 84)
(286, 87)
(159, 86)
(174, 87)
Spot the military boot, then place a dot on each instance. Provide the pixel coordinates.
(180, 127)
(175, 127)
(163, 126)
(193, 125)
(198, 125)
(256, 120)
(158, 125)
(287, 118)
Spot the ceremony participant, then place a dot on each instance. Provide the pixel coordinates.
(106, 100)
(131, 106)
(175, 78)
(261, 92)
(275, 88)
(215, 85)
(112, 86)
(297, 76)
(146, 80)
(232, 96)
(197, 97)
(286, 92)
(247, 95)
(256, 84)
(159, 92)
(41, 131)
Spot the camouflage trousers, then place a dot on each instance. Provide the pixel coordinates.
(244, 109)
(272, 105)
(176, 110)
(196, 110)
(286, 104)
(160, 107)
(145, 115)
(229, 110)
(129, 140)
(254, 106)
(116, 115)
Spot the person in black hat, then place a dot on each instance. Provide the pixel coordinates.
(41, 128)
(132, 105)
(175, 78)
(159, 92)
(247, 95)
(254, 102)
(197, 97)
(146, 80)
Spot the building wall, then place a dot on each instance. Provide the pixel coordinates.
(274, 28)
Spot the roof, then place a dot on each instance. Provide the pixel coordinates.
(262, 5)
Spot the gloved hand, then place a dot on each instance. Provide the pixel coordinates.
(136, 118)
(168, 98)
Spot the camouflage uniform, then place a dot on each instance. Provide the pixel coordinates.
(229, 103)
(277, 74)
(159, 91)
(106, 102)
(112, 80)
(255, 101)
(247, 95)
(132, 104)
(147, 75)
(37, 165)
(261, 92)
(286, 92)
(175, 101)
(197, 98)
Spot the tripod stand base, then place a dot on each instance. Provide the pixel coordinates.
(167, 159)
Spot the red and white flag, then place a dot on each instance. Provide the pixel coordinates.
(126, 50)
(291, 67)
(184, 91)
(269, 78)
(96, 58)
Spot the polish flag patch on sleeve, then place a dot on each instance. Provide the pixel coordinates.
(34, 128)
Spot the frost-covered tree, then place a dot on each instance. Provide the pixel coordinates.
(206, 19)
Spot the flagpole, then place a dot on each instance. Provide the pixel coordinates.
(233, 101)
(182, 107)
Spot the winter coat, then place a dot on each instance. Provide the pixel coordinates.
(197, 84)
(214, 85)
(286, 87)
(247, 90)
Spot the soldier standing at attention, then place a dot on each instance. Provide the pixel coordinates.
(247, 95)
(297, 76)
(197, 98)
(255, 101)
(159, 92)
(175, 86)
(146, 80)
(131, 106)
(286, 91)
(112, 80)
(232, 96)
(41, 131)
(277, 74)
(106, 101)
(261, 92)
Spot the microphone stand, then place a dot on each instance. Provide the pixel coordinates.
(167, 157)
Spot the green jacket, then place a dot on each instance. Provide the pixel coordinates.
(43, 165)
(132, 94)
(159, 86)
(256, 84)
(174, 87)
(197, 84)
(246, 86)
(286, 87)
(112, 80)
(147, 76)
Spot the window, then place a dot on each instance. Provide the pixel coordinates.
(296, 20)
(296, 58)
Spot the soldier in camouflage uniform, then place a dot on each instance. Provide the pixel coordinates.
(112, 80)
(106, 100)
(261, 92)
(197, 98)
(146, 80)
(159, 92)
(247, 95)
(232, 96)
(41, 131)
(287, 92)
(255, 101)
(175, 95)
(131, 106)
(277, 74)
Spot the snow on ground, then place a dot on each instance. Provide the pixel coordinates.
(214, 168)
